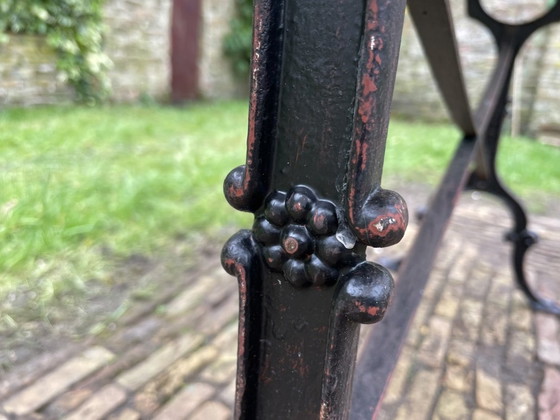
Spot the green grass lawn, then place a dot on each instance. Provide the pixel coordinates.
(82, 187)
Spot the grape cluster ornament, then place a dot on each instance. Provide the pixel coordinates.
(298, 235)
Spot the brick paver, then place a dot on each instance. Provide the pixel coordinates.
(549, 399)
(480, 414)
(125, 414)
(488, 392)
(420, 396)
(137, 376)
(520, 402)
(56, 382)
(452, 405)
(548, 346)
(100, 404)
(212, 410)
(186, 401)
(474, 351)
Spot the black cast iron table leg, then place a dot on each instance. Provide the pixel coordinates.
(490, 115)
(435, 29)
(322, 79)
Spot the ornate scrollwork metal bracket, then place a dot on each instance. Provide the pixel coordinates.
(509, 39)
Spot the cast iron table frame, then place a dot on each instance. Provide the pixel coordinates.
(322, 79)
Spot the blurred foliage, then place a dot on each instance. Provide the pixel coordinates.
(74, 29)
(238, 42)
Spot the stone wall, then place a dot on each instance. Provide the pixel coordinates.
(137, 42)
(216, 78)
(536, 96)
(28, 74)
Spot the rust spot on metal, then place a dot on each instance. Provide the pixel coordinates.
(385, 224)
(235, 192)
(241, 381)
(319, 220)
(364, 156)
(369, 86)
(365, 122)
(291, 245)
(374, 310)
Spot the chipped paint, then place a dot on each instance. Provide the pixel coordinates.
(371, 225)
(278, 359)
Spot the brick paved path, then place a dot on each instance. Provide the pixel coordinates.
(475, 351)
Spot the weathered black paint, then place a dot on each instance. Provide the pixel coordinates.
(321, 47)
(246, 186)
(323, 74)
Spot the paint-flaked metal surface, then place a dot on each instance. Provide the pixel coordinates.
(240, 258)
(246, 186)
(377, 217)
(322, 77)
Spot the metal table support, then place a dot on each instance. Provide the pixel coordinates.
(321, 85)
